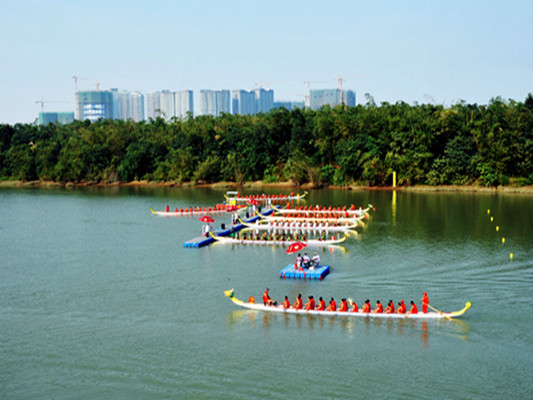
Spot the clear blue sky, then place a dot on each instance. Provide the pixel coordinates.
(451, 50)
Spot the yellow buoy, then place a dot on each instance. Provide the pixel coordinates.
(503, 240)
(488, 211)
(497, 228)
(511, 256)
(491, 219)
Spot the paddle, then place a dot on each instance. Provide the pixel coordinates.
(439, 311)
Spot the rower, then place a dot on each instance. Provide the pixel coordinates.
(298, 303)
(344, 306)
(354, 307)
(414, 309)
(286, 303)
(310, 305)
(379, 308)
(332, 305)
(321, 304)
(267, 301)
(401, 307)
(390, 308)
(425, 303)
(366, 307)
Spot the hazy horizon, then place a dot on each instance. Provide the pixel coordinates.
(412, 51)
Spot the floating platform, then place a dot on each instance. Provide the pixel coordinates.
(202, 241)
(317, 273)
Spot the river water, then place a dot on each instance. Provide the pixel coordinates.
(99, 299)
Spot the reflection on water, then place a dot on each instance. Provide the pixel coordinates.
(453, 328)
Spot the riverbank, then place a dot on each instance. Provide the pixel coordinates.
(259, 185)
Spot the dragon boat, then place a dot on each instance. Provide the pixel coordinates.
(217, 209)
(317, 211)
(279, 309)
(274, 242)
(237, 197)
(282, 228)
(340, 220)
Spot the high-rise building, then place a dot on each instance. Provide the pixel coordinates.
(214, 102)
(94, 105)
(167, 104)
(332, 97)
(242, 102)
(153, 105)
(184, 103)
(264, 100)
(129, 105)
(46, 118)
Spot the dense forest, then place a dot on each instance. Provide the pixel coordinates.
(425, 144)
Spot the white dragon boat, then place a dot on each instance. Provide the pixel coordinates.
(348, 314)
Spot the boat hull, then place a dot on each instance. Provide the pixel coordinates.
(279, 309)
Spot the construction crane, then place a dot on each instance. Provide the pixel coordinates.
(306, 99)
(96, 85)
(261, 83)
(340, 79)
(76, 77)
(308, 96)
(42, 101)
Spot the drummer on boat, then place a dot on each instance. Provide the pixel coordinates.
(425, 303)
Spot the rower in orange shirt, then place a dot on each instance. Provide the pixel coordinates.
(332, 305)
(286, 303)
(390, 308)
(366, 307)
(425, 302)
(344, 306)
(379, 307)
(298, 305)
(310, 305)
(321, 304)
(414, 309)
(401, 307)
(267, 301)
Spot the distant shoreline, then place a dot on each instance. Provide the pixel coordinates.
(281, 185)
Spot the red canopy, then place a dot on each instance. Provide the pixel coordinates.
(232, 208)
(254, 202)
(207, 218)
(295, 247)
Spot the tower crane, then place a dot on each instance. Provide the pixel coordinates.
(308, 96)
(42, 101)
(76, 77)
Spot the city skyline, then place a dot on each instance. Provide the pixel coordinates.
(413, 51)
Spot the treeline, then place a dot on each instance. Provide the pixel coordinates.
(425, 144)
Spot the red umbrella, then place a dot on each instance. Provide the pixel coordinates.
(232, 208)
(254, 202)
(207, 218)
(295, 247)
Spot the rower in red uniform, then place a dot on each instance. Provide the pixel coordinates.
(414, 308)
(310, 305)
(366, 307)
(401, 308)
(425, 302)
(298, 305)
(286, 303)
(344, 306)
(379, 307)
(321, 304)
(354, 307)
(390, 308)
(267, 301)
(332, 305)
